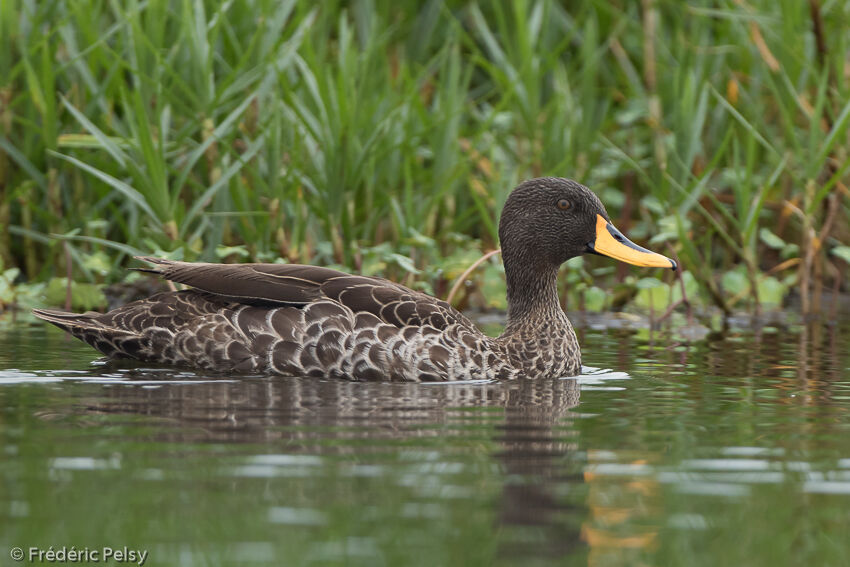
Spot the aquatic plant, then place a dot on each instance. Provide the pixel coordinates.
(309, 132)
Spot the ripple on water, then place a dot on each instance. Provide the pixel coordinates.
(663, 443)
(136, 377)
(592, 378)
(728, 477)
(296, 516)
(826, 487)
(84, 463)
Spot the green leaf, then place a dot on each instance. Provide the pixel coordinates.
(204, 199)
(669, 227)
(735, 282)
(458, 261)
(655, 296)
(98, 262)
(790, 250)
(418, 239)
(129, 192)
(691, 287)
(7, 290)
(648, 283)
(84, 296)
(771, 291)
(11, 274)
(594, 299)
(24, 163)
(842, 252)
(404, 263)
(96, 137)
(225, 251)
(493, 287)
(770, 239)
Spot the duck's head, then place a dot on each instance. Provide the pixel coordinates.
(549, 220)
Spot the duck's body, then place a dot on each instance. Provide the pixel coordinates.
(306, 320)
(303, 320)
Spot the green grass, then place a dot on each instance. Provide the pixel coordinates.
(384, 136)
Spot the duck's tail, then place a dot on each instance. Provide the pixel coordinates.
(71, 322)
(88, 327)
(156, 262)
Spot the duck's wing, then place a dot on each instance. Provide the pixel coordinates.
(296, 284)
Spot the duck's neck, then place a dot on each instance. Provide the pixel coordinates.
(532, 296)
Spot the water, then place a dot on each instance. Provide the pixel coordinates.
(732, 450)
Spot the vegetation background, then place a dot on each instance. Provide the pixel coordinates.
(384, 135)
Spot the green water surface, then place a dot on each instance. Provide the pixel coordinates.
(731, 450)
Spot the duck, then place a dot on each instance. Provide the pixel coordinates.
(304, 320)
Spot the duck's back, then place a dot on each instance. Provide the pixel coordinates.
(293, 320)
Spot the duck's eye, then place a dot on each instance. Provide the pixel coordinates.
(563, 204)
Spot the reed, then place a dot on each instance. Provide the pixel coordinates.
(256, 130)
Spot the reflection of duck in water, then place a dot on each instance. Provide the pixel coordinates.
(511, 453)
(262, 409)
(307, 320)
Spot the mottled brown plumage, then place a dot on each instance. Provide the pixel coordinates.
(307, 320)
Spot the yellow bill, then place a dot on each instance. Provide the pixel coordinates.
(610, 242)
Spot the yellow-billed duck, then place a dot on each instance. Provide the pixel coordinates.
(306, 320)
